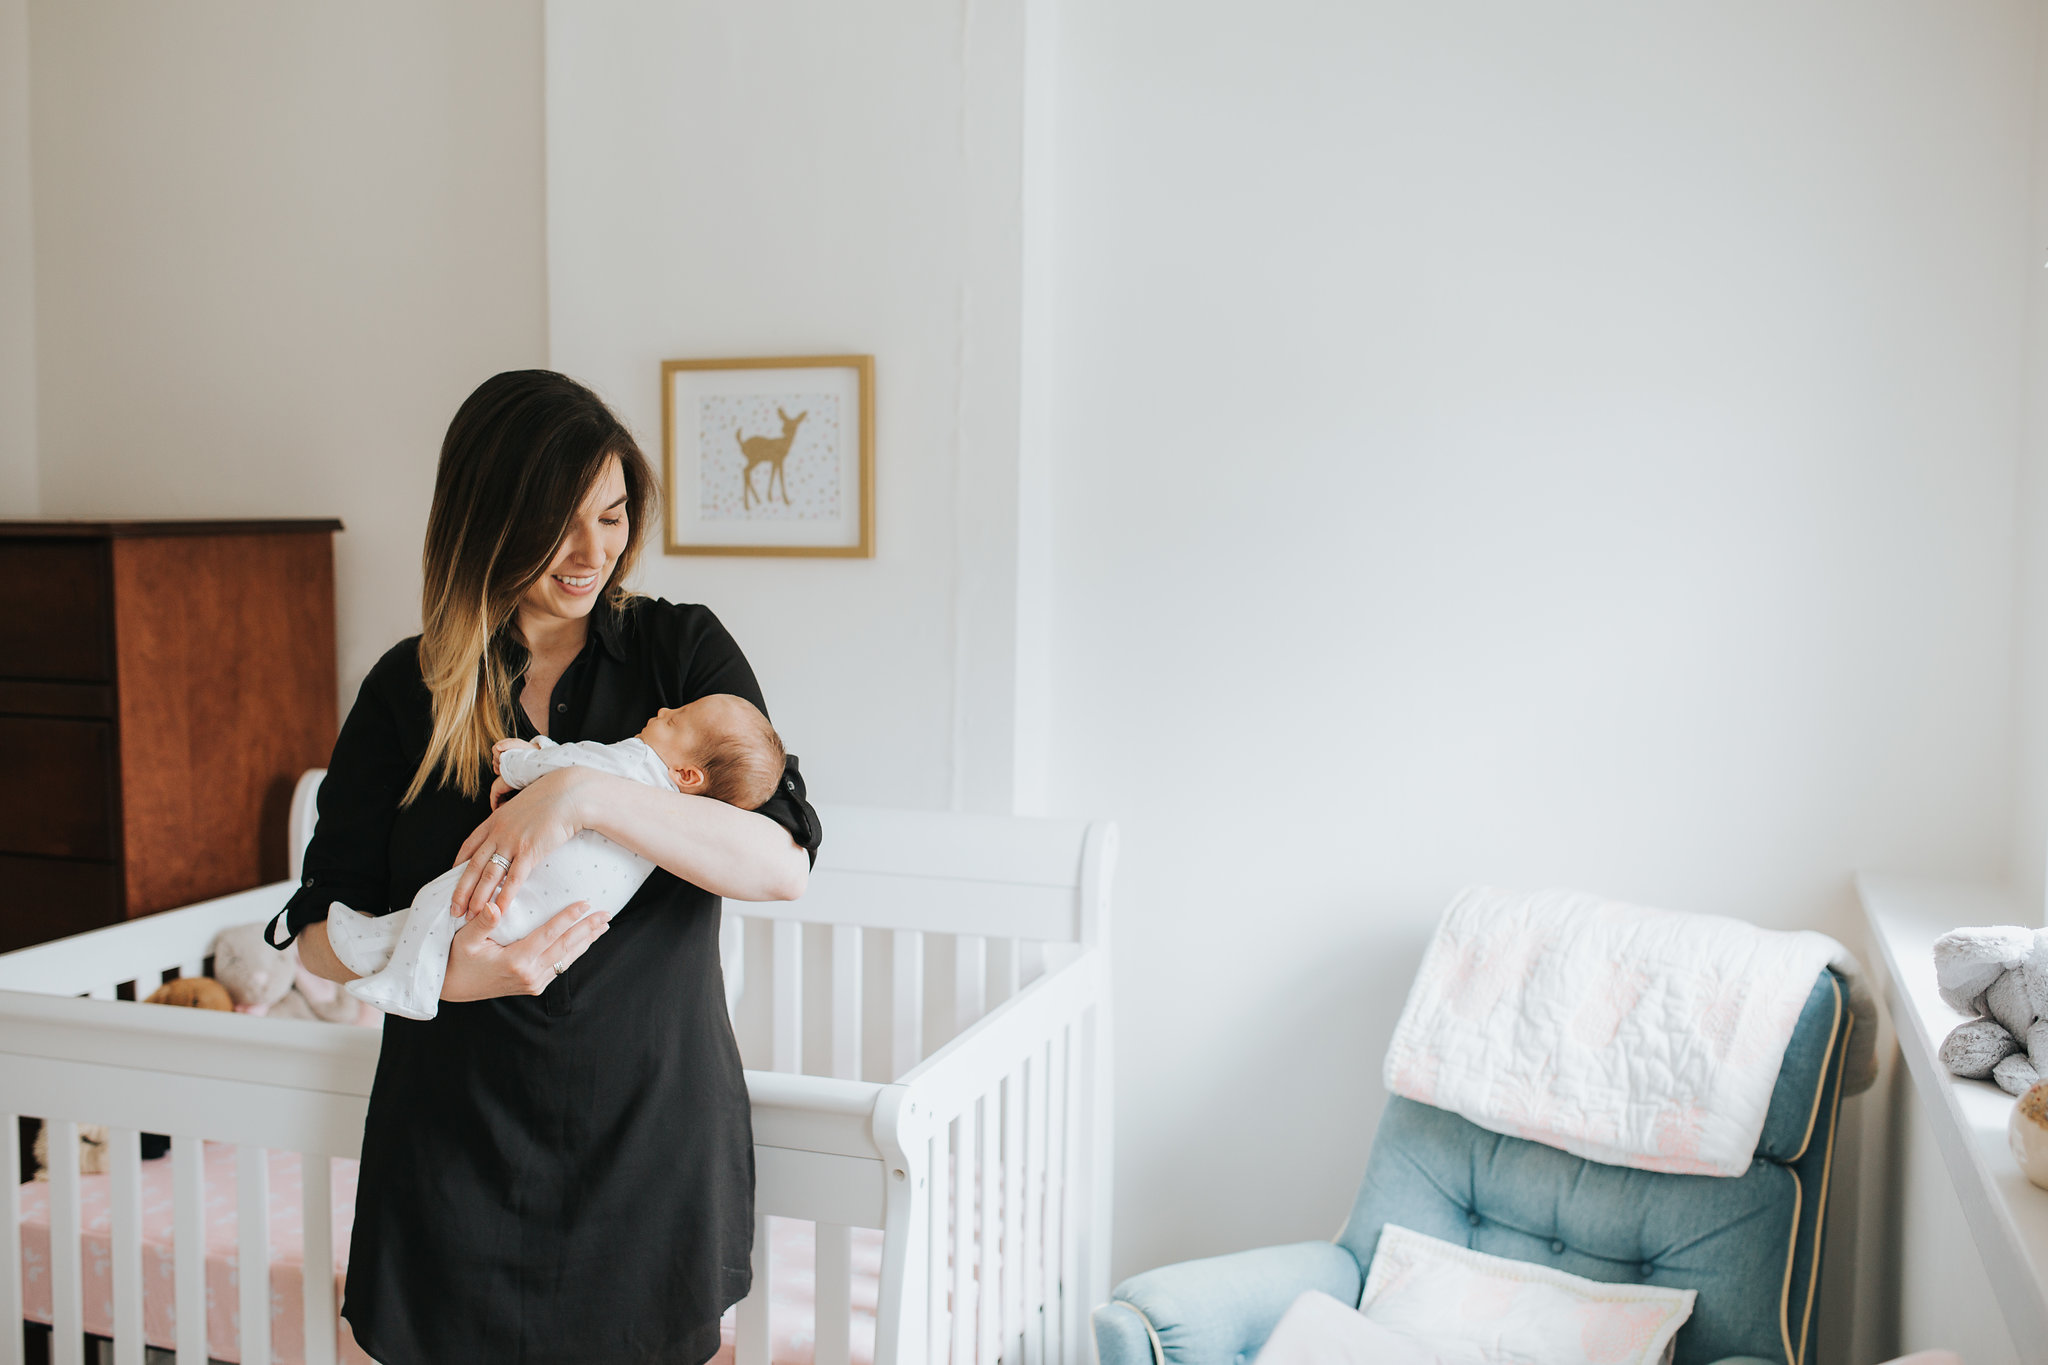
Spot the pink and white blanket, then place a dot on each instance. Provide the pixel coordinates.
(1625, 1035)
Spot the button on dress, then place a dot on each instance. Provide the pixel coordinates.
(562, 1179)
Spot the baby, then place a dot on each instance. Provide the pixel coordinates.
(719, 746)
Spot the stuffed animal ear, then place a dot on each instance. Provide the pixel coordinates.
(1968, 961)
(256, 974)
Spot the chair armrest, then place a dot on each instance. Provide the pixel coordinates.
(1217, 1311)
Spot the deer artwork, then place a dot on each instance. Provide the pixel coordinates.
(771, 451)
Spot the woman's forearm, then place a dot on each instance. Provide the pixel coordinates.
(318, 955)
(734, 853)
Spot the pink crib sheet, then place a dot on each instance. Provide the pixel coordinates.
(790, 1250)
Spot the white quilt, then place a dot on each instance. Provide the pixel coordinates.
(1625, 1035)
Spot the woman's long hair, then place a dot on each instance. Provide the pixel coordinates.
(521, 456)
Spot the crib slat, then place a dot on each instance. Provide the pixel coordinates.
(833, 1326)
(846, 1001)
(964, 1149)
(987, 1243)
(1013, 1222)
(188, 1205)
(67, 1302)
(732, 955)
(906, 1033)
(787, 1044)
(252, 1263)
(124, 1163)
(1004, 969)
(970, 980)
(935, 1337)
(1073, 1293)
(1055, 1197)
(193, 967)
(1034, 1208)
(316, 1179)
(750, 1324)
(10, 1247)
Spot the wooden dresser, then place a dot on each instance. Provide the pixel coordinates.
(162, 686)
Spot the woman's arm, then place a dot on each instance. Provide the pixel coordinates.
(479, 967)
(318, 955)
(729, 852)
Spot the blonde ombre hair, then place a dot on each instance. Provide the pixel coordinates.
(522, 454)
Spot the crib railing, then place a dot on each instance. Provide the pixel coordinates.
(995, 1205)
(195, 1075)
(977, 1141)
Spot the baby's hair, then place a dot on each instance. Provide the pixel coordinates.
(744, 766)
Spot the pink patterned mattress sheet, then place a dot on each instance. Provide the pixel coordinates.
(790, 1257)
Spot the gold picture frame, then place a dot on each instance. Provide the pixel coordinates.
(701, 466)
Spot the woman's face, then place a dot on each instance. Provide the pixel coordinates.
(590, 548)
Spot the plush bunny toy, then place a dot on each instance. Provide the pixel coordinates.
(2001, 975)
(268, 982)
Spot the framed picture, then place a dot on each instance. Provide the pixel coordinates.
(769, 457)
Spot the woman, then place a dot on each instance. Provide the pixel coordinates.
(559, 1167)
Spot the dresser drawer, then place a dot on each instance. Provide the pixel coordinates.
(54, 616)
(46, 898)
(35, 697)
(59, 797)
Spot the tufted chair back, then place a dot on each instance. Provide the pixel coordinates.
(1750, 1245)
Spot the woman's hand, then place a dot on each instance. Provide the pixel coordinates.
(546, 816)
(481, 968)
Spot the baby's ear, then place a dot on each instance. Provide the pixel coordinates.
(689, 779)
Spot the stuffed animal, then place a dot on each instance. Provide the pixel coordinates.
(92, 1150)
(330, 1000)
(264, 981)
(2001, 975)
(193, 992)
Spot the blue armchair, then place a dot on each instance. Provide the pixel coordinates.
(1750, 1245)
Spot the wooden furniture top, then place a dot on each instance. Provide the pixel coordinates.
(64, 529)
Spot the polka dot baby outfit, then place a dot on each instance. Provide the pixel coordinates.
(401, 960)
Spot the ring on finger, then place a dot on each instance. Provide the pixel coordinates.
(561, 966)
(502, 861)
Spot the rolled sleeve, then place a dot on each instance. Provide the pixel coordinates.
(790, 808)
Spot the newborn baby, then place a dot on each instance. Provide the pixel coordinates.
(719, 746)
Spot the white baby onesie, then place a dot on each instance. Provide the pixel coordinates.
(402, 959)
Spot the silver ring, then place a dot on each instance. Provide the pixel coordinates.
(561, 967)
(502, 861)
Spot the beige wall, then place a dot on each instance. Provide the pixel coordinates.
(18, 497)
(275, 246)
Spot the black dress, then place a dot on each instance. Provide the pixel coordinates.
(568, 1178)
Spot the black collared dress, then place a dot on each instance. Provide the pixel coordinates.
(568, 1178)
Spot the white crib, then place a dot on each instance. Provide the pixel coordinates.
(964, 957)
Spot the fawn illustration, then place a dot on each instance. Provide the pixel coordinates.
(771, 451)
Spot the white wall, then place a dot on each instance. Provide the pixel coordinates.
(276, 246)
(1562, 444)
(18, 478)
(793, 178)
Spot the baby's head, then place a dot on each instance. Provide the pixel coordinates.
(719, 746)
